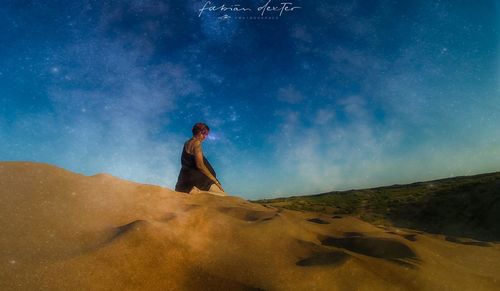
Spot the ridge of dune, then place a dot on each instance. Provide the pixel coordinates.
(62, 231)
(104, 176)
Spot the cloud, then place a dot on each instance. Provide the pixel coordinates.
(290, 95)
(350, 17)
(323, 116)
(333, 153)
(302, 38)
(355, 107)
(301, 33)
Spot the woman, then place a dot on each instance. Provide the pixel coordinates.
(196, 172)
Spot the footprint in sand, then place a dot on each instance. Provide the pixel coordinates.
(466, 241)
(318, 220)
(248, 215)
(333, 258)
(167, 217)
(384, 248)
(189, 207)
(410, 237)
(117, 232)
(352, 234)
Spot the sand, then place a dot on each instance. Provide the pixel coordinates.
(65, 231)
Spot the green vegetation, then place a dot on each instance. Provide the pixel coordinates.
(461, 206)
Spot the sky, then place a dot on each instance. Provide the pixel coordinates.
(320, 96)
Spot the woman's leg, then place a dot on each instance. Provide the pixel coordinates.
(194, 190)
(216, 190)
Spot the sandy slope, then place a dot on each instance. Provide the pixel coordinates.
(65, 231)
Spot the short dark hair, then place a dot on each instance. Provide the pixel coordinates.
(200, 127)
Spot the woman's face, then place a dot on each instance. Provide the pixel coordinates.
(205, 134)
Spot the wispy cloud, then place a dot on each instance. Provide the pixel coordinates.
(290, 95)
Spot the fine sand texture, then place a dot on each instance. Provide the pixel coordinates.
(66, 231)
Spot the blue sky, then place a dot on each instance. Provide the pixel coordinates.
(333, 95)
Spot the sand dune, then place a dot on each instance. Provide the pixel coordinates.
(66, 231)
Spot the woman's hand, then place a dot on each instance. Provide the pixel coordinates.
(219, 185)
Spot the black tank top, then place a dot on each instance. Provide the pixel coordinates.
(190, 175)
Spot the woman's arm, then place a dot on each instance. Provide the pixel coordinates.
(198, 156)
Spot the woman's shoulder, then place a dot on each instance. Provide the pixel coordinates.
(190, 144)
(192, 141)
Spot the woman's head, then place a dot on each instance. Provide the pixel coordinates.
(200, 128)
